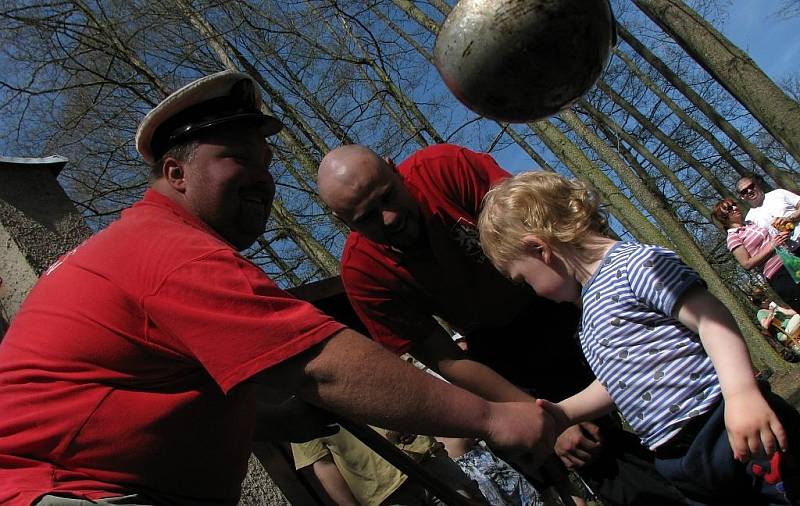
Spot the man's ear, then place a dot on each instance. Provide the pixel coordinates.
(536, 246)
(390, 163)
(173, 173)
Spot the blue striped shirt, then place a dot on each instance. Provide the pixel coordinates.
(654, 368)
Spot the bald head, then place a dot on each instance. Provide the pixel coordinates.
(367, 193)
(347, 174)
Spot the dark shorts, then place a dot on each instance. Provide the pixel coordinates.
(784, 285)
(706, 472)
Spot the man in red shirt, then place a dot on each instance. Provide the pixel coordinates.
(128, 374)
(414, 255)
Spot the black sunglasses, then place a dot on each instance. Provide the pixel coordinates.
(747, 189)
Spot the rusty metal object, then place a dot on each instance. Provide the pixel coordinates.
(523, 60)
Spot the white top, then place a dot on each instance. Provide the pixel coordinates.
(777, 204)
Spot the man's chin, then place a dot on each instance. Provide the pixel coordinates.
(404, 242)
(245, 239)
(411, 237)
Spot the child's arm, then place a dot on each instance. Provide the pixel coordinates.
(767, 319)
(590, 403)
(751, 423)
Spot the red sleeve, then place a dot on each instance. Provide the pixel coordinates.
(464, 176)
(374, 293)
(229, 316)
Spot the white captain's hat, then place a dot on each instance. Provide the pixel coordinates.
(208, 102)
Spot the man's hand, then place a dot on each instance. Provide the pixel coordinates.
(781, 221)
(779, 239)
(753, 428)
(579, 444)
(293, 420)
(523, 427)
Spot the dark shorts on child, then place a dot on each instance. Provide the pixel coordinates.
(699, 461)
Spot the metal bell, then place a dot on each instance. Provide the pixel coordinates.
(523, 60)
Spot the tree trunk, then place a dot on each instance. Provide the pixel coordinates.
(411, 41)
(617, 130)
(317, 253)
(781, 177)
(665, 139)
(286, 269)
(414, 12)
(525, 145)
(731, 67)
(686, 118)
(573, 157)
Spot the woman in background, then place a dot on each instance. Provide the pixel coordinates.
(753, 247)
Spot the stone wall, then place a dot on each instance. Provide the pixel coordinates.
(38, 223)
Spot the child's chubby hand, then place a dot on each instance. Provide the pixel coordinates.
(752, 426)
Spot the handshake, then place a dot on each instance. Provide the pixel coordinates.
(527, 427)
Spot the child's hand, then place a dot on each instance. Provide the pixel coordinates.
(579, 445)
(752, 426)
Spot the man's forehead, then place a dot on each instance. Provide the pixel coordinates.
(357, 198)
(243, 137)
(745, 182)
(360, 175)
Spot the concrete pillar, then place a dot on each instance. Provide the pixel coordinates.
(38, 223)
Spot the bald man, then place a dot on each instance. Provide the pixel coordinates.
(414, 254)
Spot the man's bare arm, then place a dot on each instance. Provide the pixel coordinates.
(440, 353)
(353, 376)
(575, 446)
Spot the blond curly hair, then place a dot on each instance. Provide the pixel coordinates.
(558, 210)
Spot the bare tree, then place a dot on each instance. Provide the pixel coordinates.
(731, 67)
(780, 176)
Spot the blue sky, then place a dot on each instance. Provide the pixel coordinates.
(774, 44)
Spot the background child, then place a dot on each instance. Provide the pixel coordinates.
(666, 353)
(780, 324)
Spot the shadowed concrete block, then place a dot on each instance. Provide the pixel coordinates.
(38, 223)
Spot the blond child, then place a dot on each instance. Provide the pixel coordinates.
(666, 353)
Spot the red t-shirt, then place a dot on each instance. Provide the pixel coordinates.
(125, 369)
(396, 294)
